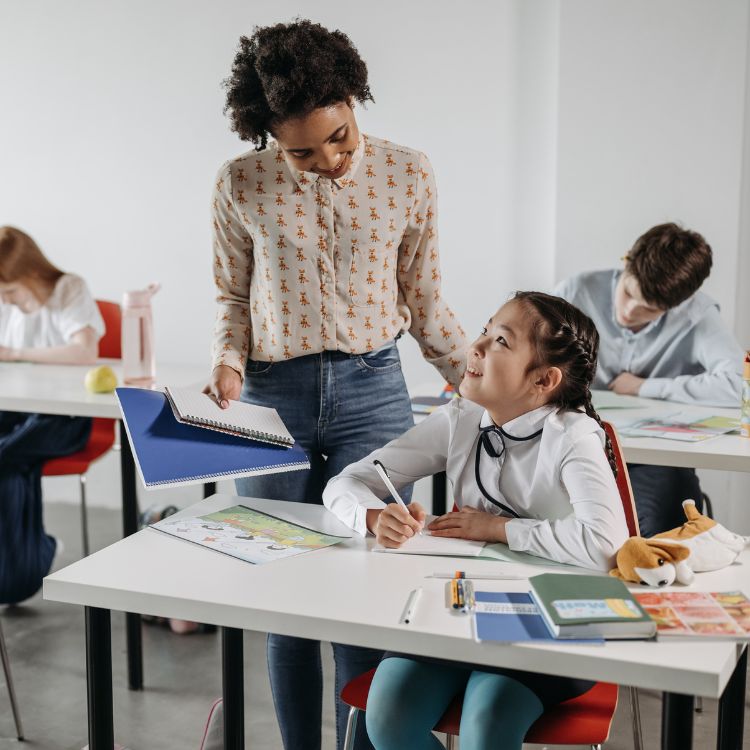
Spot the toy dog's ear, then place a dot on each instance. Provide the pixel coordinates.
(669, 552)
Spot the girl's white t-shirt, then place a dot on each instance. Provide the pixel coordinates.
(69, 309)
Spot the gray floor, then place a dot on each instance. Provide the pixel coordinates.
(182, 676)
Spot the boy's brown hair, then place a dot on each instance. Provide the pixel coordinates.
(669, 263)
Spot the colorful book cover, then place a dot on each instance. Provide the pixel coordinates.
(250, 535)
(687, 614)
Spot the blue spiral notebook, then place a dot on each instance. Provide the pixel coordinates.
(170, 453)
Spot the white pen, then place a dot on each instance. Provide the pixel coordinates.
(411, 606)
(480, 577)
(389, 485)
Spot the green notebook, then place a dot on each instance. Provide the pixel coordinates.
(581, 606)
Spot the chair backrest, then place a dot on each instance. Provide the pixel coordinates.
(623, 482)
(110, 343)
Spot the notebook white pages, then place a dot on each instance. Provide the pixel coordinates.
(436, 545)
(426, 544)
(246, 420)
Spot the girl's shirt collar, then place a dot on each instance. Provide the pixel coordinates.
(524, 424)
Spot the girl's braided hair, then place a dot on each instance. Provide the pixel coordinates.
(565, 337)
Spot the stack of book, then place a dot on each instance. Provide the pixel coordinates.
(563, 606)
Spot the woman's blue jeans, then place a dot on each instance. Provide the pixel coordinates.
(339, 407)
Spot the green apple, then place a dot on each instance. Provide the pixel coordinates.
(100, 380)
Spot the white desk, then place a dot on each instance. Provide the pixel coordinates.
(351, 595)
(59, 389)
(726, 452)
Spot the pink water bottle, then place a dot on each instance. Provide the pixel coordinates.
(138, 363)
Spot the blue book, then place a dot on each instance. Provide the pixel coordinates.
(171, 453)
(512, 618)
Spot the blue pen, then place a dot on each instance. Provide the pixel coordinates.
(461, 594)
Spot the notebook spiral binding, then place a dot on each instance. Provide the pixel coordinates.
(213, 424)
(212, 477)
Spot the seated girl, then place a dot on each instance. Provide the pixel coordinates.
(525, 453)
(45, 316)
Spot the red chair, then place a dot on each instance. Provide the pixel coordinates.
(102, 436)
(585, 720)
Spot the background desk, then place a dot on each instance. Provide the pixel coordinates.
(726, 452)
(59, 389)
(350, 595)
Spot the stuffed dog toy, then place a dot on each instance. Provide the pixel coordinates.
(699, 544)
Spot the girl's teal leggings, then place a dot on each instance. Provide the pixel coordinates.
(408, 697)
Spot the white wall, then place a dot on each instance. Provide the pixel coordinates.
(558, 131)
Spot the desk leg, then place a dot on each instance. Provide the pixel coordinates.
(732, 709)
(99, 678)
(439, 489)
(233, 688)
(130, 526)
(676, 721)
(209, 488)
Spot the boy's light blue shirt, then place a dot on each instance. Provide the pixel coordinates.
(687, 354)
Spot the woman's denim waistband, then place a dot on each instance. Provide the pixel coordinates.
(334, 354)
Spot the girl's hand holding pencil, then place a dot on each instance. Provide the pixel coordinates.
(397, 524)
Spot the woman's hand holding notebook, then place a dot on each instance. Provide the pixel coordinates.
(244, 420)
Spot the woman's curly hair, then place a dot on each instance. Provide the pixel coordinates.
(288, 70)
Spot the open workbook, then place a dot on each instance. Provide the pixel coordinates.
(441, 546)
(263, 423)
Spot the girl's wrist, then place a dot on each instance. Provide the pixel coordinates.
(499, 529)
(371, 519)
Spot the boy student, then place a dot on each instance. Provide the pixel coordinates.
(661, 338)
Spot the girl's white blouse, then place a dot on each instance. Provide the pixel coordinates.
(560, 482)
(69, 309)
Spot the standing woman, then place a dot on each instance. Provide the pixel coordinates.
(325, 252)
